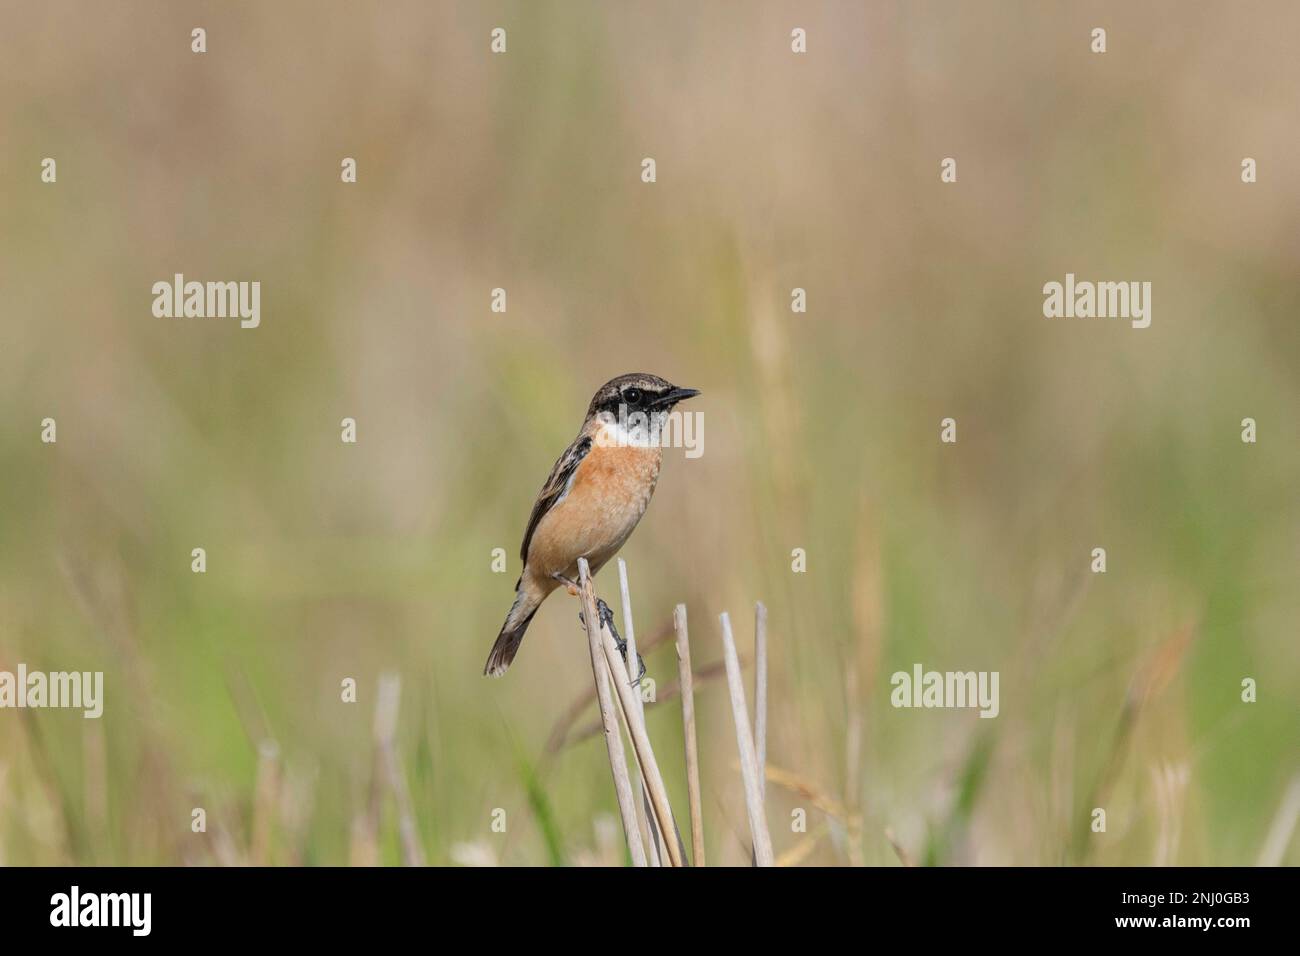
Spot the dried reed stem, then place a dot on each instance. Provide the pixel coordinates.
(760, 693)
(613, 739)
(1283, 826)
(559, 737)
(852, 761)
(4, 773)
(702, 676)
(654, 781)
(629, 635)
(745, 741)
(903, 856)
(685, 679)
(387, 701)
(805, 788)
(657, 853)
(635, 722)
(363, 846)
(265, 791)
(760, 704)
(95, 761)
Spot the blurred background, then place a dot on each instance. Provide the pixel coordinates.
(328, 561)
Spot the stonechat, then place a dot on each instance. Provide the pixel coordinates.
(596, 494)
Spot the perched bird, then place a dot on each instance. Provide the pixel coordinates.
(596, 494)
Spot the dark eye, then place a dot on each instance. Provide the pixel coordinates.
(632, 396)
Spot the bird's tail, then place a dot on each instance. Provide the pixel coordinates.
(512, 632)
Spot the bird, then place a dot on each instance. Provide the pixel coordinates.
(596, 494)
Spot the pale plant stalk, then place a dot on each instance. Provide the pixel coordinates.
(686, 682)
(644, 753)
(629, 635)
(704, 675)
(635, 727)
(762, 839)
(656, 854)
(1170, 782)
(265, 791)
(1283, 826)
(363, 848)
(4, 774)
(297, 797)
(903, 856)
(559, 737)
(613, 739)
(803, 849)
(224, 848)
(365, 837)
(96, 780)
(760, 703)
(760, 694)
(853, 762)
(387, 702)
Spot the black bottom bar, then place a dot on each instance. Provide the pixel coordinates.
(334, 905)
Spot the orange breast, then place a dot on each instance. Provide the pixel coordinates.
(610, 491)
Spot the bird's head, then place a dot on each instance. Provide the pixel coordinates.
(637, 393)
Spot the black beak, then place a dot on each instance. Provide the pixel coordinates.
(675, 395)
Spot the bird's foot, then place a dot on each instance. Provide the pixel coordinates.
(607, 618)
(569, 585)
(640, 663)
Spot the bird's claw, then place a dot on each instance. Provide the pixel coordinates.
(607, 618)
(569, 585)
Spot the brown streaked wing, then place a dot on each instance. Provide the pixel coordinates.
(553, 490)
